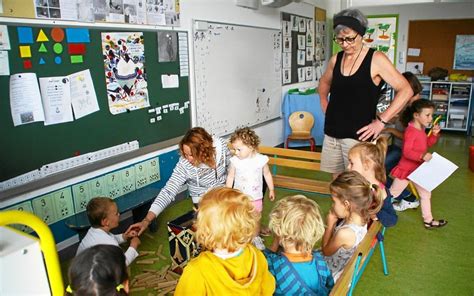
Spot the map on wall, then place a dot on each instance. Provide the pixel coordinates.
(381, 34)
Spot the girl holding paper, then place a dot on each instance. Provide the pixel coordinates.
(415, 151)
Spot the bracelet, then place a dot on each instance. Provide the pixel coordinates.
(380, 119)
(145, 219)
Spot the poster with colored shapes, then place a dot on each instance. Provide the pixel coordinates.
(124, 64)
(381, 34)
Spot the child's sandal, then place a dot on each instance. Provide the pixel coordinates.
(430, 225)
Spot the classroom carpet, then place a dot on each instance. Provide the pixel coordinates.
(420, 261)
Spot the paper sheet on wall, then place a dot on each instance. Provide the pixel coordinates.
(83, 97)
(4, 39)
(56, 94)
(170, 81)
(4, 65)
(431, 174)
(25, 99)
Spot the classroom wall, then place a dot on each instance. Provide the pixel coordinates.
(226, 11)
(426, 11)
(213, 10)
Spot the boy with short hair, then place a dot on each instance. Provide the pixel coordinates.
(104, 216)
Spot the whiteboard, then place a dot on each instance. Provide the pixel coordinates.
(237, 75)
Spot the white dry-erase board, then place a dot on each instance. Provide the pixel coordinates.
(238, 75)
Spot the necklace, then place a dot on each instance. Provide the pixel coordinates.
(355, 61)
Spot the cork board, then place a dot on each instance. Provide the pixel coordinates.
(436, 40)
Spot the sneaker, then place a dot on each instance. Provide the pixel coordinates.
(258, 243)
(404, 205)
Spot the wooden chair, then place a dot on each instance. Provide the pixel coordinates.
(301, 123)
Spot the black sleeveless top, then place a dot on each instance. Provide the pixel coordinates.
(353, 100)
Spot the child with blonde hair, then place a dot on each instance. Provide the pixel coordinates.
(419, 116)
(368, 158)
(246, 169)
(354, 200)
(297, 225)
(104, 216)
(229, 265)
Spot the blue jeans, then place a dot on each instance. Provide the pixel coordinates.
(394, 153)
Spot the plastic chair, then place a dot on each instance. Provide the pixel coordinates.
(301, 123)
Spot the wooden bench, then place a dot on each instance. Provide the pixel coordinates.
(299, 159)
(357, 263)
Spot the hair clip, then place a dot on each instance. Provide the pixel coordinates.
(69, 289)
(119, 287)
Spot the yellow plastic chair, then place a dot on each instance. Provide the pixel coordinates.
(47, 244)
(301, 123)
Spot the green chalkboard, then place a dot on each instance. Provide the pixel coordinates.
(28, 147)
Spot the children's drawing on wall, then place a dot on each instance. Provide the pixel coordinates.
(301, 57)
(415, 67)
(301, 42)
(381, 35)
(286, 75)
(124, 63)
(301, 25)
(301, 74)
(294, 23)
(464, 52)
(85, 10)
(309, 73)
(286, 28)
(309, 54)
(167, 46)
(47, 9)
(162, 12)
(286, 44)
(286, 60)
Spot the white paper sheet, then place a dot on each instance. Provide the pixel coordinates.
(4, 38)
(4, 64)
(170, 81)
(56, 94)
(431, 174)
(25, 99)
(413, 52)
(83, 96)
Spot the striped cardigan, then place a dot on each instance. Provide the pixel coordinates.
(199, 179)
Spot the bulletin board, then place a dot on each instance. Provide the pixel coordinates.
(436, 40)
(238, 75)
(28, 147)
(298, 38)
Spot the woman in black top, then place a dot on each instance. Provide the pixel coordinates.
(353, 79)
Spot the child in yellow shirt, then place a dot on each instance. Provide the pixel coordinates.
(229, 265)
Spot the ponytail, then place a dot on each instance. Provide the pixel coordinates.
(373, 153)
(415, 107)
(376, 197)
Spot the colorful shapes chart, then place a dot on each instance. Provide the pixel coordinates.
(57, 34)
(47, 39)
(25, 51)
(76, 48)
(76, 59)
(58, 48)
(27, 64)
(42, 48)
(77, 35)
(25, 35)
(42, 37)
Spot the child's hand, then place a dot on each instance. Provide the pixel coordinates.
(271, 195)
(135, 242)
(331, 218)
(427, 156)
(131, 232)
(435, 129)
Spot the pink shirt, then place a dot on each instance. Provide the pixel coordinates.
(415, 145)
